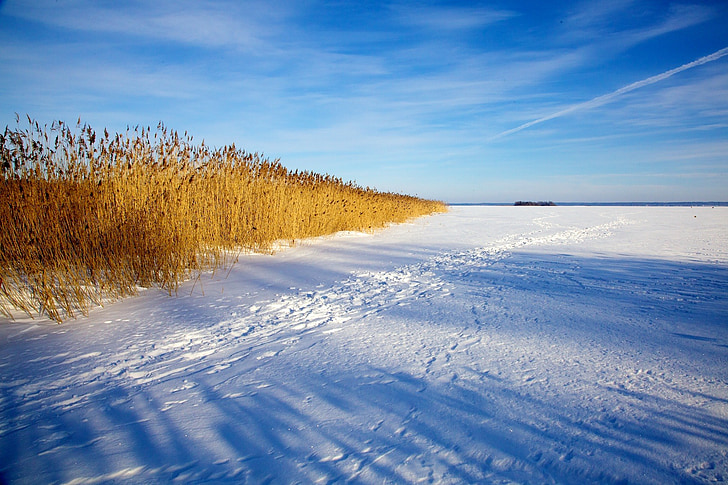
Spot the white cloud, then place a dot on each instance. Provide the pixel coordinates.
(699, 102)
(241, 25)
(588, 15)
(450, 18)
(609, 97)
(624, 23)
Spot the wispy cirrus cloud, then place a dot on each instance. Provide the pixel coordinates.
(206, 24)
(449, 18)
(626, 22)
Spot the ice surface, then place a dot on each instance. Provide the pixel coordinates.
(485, 345)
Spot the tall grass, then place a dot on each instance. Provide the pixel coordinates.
(85, 217)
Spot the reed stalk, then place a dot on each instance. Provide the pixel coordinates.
(86, 218)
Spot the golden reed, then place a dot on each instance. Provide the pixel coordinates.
(86, 218)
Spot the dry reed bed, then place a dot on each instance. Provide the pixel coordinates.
(85, 218)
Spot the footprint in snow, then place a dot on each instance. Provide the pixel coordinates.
(268, 354)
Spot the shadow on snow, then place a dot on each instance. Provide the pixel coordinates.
(357, 421)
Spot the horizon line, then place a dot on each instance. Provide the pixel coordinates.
(634, 202)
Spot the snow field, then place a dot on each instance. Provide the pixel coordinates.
(489, 345)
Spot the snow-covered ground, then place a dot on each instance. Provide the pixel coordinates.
(485, 345)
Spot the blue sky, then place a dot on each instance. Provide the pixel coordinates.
(460, 101)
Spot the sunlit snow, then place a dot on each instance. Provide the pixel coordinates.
(485, 345)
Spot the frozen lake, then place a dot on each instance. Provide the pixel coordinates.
(488, 345)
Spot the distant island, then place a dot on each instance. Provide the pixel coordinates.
(521, 202)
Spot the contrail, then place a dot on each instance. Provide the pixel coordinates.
(606, 98)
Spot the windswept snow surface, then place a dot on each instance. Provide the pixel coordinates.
(485, 345)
